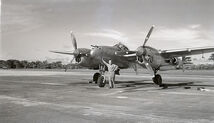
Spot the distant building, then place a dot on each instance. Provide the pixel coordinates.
(202, 61)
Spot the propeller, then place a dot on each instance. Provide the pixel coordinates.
(77, 52)
(73, 39)
(142, 52)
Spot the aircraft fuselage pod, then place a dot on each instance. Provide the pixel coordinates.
(107, 53)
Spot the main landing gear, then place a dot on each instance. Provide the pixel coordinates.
(157, 79)
(101, 81)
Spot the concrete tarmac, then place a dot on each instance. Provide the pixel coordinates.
(30, 96)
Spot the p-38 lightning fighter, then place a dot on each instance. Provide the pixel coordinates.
(145, 56)
(92, 58)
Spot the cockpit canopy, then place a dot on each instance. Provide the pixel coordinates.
(121, 47)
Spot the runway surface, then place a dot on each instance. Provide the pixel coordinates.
(31, 96)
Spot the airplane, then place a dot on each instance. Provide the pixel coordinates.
(145, 56)
(92, 58)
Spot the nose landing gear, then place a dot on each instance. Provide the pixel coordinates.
(99, 77)
(157, 79)
(95, 77)
(101, 81)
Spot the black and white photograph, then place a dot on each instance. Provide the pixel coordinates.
(107, 61)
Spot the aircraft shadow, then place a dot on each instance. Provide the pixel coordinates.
(133, 84)
(143, 84)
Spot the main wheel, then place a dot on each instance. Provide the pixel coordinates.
(157, 79)
(96, 76)
(101, 81)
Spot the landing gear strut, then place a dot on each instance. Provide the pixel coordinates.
(101, 81)
(157, 79)
(99, 77)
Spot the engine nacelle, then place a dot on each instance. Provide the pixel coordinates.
(173, 61)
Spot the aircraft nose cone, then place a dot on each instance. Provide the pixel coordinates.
(94, 52)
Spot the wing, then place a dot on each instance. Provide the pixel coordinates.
(66, 52)
(186, 52)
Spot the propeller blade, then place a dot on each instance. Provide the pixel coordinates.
(148, 35)
(148, 66)
(68, 53)
(69, 64)
(73, 39)
(72, 59)
(134, 66)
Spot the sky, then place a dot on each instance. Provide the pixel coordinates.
(30, 28)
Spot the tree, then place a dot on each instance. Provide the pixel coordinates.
(31, 64)
(58, 64)
(10, 63)
(212, 57)
(39, 64)
(45, 63)
(24, 63)
(17, 64)
(3, 64)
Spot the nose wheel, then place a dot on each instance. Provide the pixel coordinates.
(157, 79)
(95, 77)
(101, 81)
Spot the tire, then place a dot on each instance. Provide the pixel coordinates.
(96, 76)
(157, 79)
(101, 81)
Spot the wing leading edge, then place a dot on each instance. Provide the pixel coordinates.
(186, 51)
